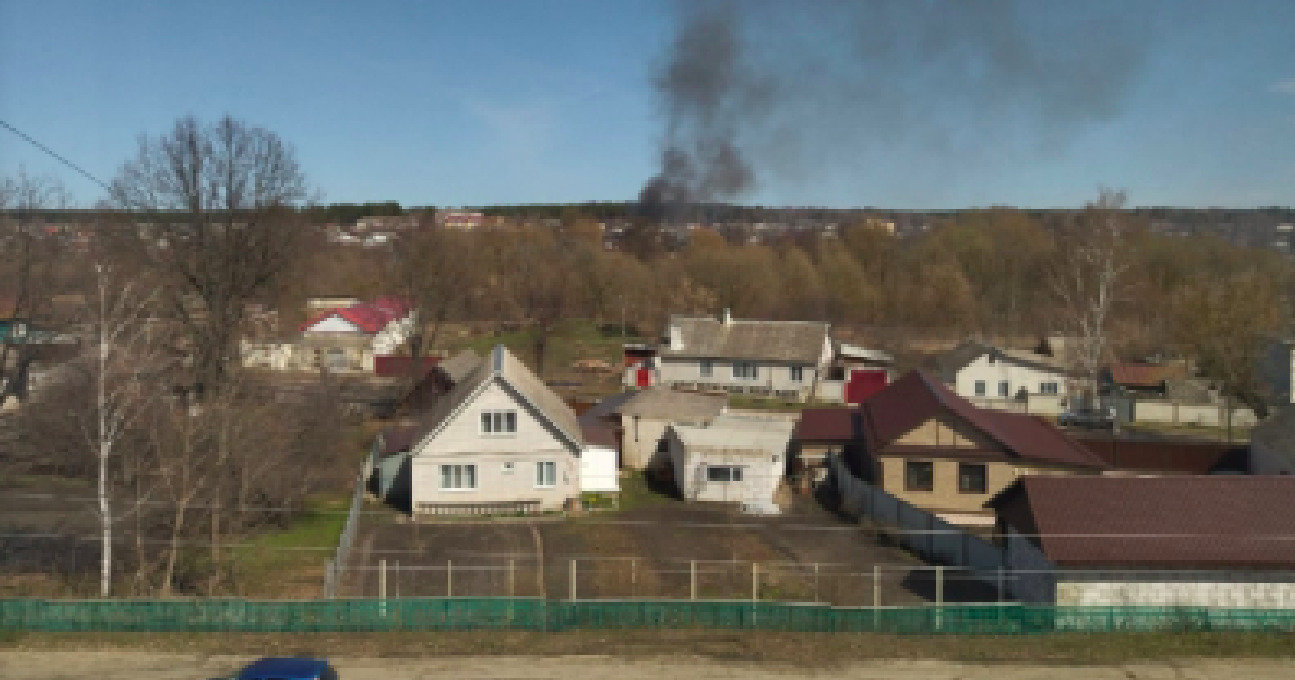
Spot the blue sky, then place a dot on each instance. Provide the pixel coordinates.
(463, 103)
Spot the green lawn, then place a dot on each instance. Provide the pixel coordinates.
(637, 492)
(295, 555)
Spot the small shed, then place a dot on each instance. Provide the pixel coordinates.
(739, 459)
(599, 472)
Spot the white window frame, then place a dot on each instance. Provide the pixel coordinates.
(457, 473)
(1004, 388)
(494, 422)
(734, 475)
(1050, 388)
(978, 388)
(540, 481)
(796, 373)
(705, 368)
(740, 370)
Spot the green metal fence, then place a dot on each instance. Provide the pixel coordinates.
(486, 613)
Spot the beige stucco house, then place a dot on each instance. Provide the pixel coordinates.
(923, 444)
(647, 415)
(500, 441)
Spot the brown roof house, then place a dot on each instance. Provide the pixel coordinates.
(1209, 541)
(920, 442)
(765, 358)
(819, 433)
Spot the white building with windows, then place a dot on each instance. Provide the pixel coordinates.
(736, 458)
(1007, 379)
(500, 442)
(786, 359)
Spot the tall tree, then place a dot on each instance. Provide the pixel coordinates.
(1086, 281)
(217, 201)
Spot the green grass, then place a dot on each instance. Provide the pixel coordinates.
(637, 492)
(302, 548)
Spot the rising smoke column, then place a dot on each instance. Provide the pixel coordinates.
(759, 92)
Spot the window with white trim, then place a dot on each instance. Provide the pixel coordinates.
(499, 422)
(723, 473)
(744, 370)
(546, 473)
(1048, 388)
(456, 477)
(797, 373)
(979, 388)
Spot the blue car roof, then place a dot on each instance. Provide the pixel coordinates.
(283, 668)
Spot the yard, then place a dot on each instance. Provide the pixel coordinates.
(654, 546)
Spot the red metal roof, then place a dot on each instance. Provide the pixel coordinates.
(369, 317)
(825, 424)
(918, 397)
(1181, 522)
(1168, 456)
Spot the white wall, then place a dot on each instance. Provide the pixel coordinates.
(598, 470)
(1211, 415)
(1016, 375)
(768, 375)
(761, 473)
(1260, 590)
(461, 442)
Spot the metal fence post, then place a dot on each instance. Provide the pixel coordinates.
(634, 576)
(449, 578)
(876, 585)
(512, 578)
(382, 585)
(692, 579)
(755, 581)
(939, 597)
(573, 579)
(816, 593)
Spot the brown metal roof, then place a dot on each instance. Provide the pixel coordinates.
(918, 397)
(825, 424)
(1139, 375)
(1175, 522)
(1168, 456)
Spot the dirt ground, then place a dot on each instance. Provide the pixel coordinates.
(143, 665)
(806, 554)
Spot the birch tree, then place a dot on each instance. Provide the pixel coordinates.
(1086, 282)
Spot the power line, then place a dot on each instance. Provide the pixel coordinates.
(55, 155)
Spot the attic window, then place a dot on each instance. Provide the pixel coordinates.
(498, 422)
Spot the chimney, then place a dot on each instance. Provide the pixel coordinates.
(675, 334)
(728, 316)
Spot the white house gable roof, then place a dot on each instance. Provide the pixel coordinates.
(502, 367)
(333, 323)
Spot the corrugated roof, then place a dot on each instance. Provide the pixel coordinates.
(732, 433)
(918, 397)
(663, 403)
(826, 424)
(369, 317)
(1193, 457)
(791, 341)
(598, 433)
(1188, 522)
(1139, 375)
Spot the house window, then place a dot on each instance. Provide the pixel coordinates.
(705, 368)
(509, 467)
(744, 370)
(723, 473)
(498, 422)
(919, 475)
(1004, 388)
(971, 478)
(546, 473)
(458, 477)
(979, 388)
(797, 373)
(1047, 388)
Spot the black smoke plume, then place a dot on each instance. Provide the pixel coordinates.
(759, 92)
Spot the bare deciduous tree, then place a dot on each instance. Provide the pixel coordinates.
(217, 202)
(1086, 282)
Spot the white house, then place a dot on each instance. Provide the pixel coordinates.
(1007, 379)
(343, 339)
(646, 415)
(500, 441)
(736, 458)
(766, 358)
